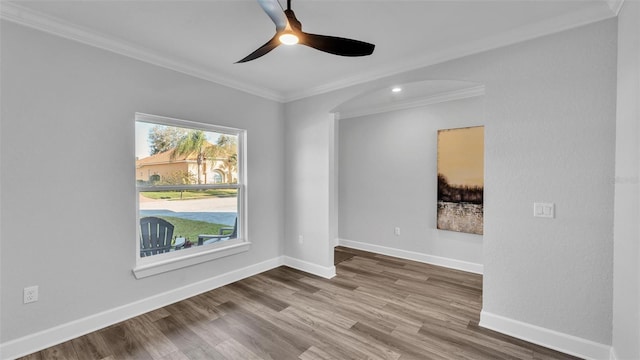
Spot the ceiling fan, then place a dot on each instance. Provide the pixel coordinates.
(289, 32)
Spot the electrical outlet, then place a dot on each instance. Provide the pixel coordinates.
(30, 294)
(396, 231)
(300, 239)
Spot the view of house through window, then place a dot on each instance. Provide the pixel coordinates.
(188, 183)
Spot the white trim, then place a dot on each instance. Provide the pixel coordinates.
(160, 263)
(160, 266)
(414, 103)
(326, 272)
(548, 338)
(170, 121)
(71, 330)
(415, 256)
(53, 25)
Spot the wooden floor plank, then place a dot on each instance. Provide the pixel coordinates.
(318, 330)
(92, 347)
(152, 339)
(313, 353)
(411, 350)
(356, 347)
(178, 355)
(179, 334)
(123, 344)
(232, 349)
(256, 295)
(248, 331)
(64, 351)
(377, 307)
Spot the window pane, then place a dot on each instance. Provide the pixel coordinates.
(180, 157)
(199, 217)
(170, 155)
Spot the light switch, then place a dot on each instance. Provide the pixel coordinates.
(545, 210)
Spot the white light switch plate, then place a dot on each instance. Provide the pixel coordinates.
(544, 210)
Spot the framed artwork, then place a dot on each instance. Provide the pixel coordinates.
(461, 179)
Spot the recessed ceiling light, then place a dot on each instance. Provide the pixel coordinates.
(396, 89)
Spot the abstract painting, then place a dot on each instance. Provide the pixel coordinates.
(461, 179)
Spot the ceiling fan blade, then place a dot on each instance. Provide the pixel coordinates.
(275, 12)
(268, 46)
(337, 45)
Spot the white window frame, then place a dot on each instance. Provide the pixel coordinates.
(160, 263)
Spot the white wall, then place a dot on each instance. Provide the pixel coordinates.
(626, 281)
(67, 176)
(551, 106)
(387, 167)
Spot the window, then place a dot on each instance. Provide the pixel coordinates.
(190, 181)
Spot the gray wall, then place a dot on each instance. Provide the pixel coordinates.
(67, 174)
(550, 136)
(552, 103)
(387, 167)
(626, 284)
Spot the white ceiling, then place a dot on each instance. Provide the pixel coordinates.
(205, 38)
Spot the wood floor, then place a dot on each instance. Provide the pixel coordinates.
(377, 307)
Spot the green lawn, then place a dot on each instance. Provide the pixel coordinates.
(190, 229)
(182, 195)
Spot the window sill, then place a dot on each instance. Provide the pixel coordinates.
(157, 267)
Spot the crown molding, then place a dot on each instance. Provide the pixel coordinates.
(615, 5)
(414, 103)
(53, 25)
(30, 18)
(530, 32)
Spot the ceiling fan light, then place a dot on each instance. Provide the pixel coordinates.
(288, 38)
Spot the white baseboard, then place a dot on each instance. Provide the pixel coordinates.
(56, 335)
(415, 256)
(326, 272)
(551, 339)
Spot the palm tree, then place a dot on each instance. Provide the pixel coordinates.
(228, 147)
(229, 164)
(194, 141)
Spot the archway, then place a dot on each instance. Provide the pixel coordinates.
(386, 128)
